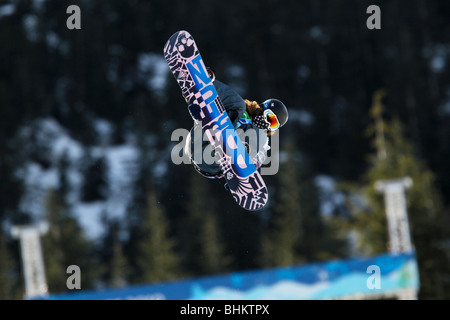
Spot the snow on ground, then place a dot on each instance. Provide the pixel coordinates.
(46, 145)
(121, 172)
(153, 70)
(53, 143)
(46, 140)
(7, 10)
(438, 55)
(330, 197)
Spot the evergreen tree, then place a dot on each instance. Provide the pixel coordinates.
(94, 186)
(156, 259)
(8, 274)
(394, 157)
(281, 242)
(119, 264)
(51, 244)
(298, 232)
(204, 247)
(65, 244)
(115, 266)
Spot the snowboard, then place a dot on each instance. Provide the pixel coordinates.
(245, 182)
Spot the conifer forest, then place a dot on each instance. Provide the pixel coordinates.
(87, 116)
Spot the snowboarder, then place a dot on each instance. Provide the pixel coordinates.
(245, 115)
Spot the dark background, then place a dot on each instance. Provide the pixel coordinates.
(317, 56)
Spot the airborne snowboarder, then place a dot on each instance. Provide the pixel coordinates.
(264, 119)
(233, 156)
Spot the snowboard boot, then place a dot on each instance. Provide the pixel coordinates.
(194, 111)
(208, 175)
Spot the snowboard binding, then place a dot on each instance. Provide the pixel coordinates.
(211, 74)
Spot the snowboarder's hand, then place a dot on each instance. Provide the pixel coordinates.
(194, 110)
(260, 122)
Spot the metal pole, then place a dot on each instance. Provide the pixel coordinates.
(32, 260)
(396, 213)
(397, 218)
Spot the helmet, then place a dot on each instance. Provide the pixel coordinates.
(277, 107)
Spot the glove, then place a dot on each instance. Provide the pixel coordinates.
(260, 157)
(194, 110)
(260, 122)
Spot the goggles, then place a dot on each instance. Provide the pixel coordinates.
(271, 119)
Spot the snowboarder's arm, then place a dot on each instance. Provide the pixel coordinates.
(234, 104)
(234, 114)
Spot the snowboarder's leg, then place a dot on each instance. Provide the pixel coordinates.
(208, 175)
(189, 151)
(194, 110)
